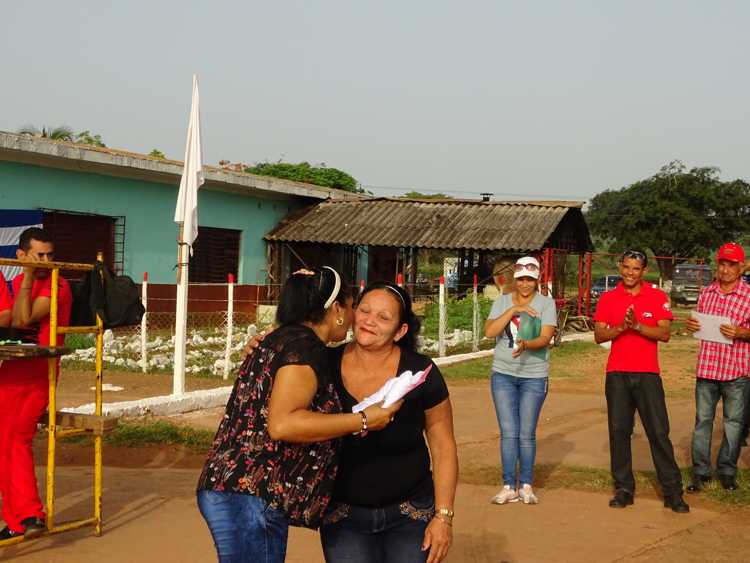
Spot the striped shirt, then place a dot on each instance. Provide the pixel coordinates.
(725, 362)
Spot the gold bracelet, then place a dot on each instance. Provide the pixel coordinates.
(443, 519)
(445, 512)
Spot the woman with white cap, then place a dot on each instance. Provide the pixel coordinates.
(523, 323)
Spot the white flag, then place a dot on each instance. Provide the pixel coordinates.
(186, 211)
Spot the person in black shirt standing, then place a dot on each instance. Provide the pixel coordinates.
(387, 505)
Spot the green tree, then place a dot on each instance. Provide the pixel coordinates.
(156, 153)
(673, 213)
(303, 172)
(86, 138)
(60, 133)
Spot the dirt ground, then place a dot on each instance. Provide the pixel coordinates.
(150, 512)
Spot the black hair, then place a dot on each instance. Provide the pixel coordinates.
(409, 340)
(636, 254)
(33, 233)
(303, 297)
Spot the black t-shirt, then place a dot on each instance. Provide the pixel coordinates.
(393, 464)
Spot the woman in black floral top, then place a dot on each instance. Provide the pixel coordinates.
(274, 457)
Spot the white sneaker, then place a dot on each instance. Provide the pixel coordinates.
(527, 494)
(505, 495)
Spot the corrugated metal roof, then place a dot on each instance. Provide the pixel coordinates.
(450, 224)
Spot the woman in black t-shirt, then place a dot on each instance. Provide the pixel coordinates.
(387, 504)
(274, 457)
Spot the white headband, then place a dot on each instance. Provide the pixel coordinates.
(336, 288)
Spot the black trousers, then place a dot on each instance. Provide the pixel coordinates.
(627, 392)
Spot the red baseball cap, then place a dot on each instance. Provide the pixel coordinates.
(731, 251)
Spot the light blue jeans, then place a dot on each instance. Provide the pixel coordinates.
(707, 394)
(518, 403)
(244, 527)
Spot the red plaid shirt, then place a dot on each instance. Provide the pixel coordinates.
(725, 362)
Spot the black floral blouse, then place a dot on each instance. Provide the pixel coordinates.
(295, 478)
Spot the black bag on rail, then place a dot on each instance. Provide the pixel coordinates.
(117, 299)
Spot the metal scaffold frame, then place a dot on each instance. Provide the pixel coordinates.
(61, 424)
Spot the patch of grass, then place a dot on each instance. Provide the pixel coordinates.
(597, 480)
(561, 358)
(474, 369)
(575, 348)
(740, 497)
(459, 314)
(78, 341)
(149, 433)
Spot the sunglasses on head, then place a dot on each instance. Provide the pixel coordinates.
(527, 267)
(634, 254)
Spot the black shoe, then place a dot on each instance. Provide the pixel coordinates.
(621, 499)
(697, 482)
(677, 504)
(6, 534)
(33, 527)
(728, 482)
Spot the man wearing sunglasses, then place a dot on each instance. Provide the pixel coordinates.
(635, 317)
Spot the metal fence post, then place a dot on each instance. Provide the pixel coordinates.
(230, 323)
(475, 318)
(441, 324)
(144, 323)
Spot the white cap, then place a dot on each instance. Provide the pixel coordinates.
(524, 272)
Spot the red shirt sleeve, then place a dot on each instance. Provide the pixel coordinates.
(5, 301)
(600, 315)
(664, 310)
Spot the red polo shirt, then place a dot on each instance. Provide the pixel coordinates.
(36, 370)
(631, 351)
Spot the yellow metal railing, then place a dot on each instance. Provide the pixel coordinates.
(53, 431)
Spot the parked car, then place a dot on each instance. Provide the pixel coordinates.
(687, 282)
(603, 284)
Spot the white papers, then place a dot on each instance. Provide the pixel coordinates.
(394, 389)
(710, 328)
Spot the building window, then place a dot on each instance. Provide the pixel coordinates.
(216, 253)
(79, 236)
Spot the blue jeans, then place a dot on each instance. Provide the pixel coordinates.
(707, 394)
(518, 402)
(244, 527)
(393, 534)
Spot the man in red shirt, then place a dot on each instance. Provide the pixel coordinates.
(635, 316)
(24, 388)
(722, 370)
(5, 302)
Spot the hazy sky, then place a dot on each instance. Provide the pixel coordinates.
(523, 99)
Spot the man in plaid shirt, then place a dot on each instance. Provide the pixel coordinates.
(722, 370)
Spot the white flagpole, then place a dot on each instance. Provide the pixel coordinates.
(186, 214)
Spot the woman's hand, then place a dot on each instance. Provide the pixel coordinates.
(255, 341)
(438, 538)
(379, 417)
(519, 348)
(517, 309)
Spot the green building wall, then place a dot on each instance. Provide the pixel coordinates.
(148, 208)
